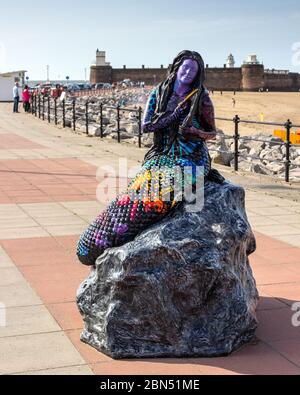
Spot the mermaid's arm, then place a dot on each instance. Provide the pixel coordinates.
(207, 118)
(163, 121)
(150, 107)
(206, 128)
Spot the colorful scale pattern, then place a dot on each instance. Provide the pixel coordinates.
(146, 200)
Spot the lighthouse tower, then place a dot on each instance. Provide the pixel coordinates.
(101, 58)
(230, 61)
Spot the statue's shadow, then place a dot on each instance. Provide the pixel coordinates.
(266, 354)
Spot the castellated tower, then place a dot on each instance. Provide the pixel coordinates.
(252, 74)
(102, 70)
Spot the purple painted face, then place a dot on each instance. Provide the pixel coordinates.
(187, 71)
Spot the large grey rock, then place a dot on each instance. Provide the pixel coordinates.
(244, 165)
(94, 130)
(220, 153)
(296, 161)
(133, 128)
(256, 145)
(275, 167)
(259, 168)
(182, 288)
(271, 155)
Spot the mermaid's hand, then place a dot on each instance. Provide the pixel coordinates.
(179, 111)
(165, 119)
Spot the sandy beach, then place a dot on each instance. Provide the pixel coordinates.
(275, 107)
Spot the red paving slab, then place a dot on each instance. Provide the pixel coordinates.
(67, 316)
(268, 303)
(283, 255)
(55, 283)
(13, 141)
(277, 325)
(67, 242)
(51, 267)
(35, 251)
(295, 267)
(150, 368)
(47, 180)
(256, 359)
(53, 271)
(290, 349)
(268, 244)
(275, 274)
(287, 293)
(4, 199)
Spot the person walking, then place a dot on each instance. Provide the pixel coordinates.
(26, 98)
(16, 97)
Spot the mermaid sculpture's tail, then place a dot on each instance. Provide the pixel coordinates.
(148, 198)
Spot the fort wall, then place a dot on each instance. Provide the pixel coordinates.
(282, 82)
(249, 77)
(226, 79)
(150, 76)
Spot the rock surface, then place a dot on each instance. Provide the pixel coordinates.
(182, 288)
(261, 157)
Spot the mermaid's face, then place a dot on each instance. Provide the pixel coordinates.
(187, 71)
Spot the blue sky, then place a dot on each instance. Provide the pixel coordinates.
(65, 34)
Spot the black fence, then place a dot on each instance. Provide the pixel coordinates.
(237, 138)
(45, 106)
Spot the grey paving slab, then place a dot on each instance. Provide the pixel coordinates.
(37, 352)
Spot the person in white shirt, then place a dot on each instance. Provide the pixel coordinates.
(16, 97)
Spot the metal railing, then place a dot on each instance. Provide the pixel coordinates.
(107, 91)
(237, 138)
(46, 106)
(92, 92)
(41, 107)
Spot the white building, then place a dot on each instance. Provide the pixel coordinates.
(101, 58)
(230, 61)
(251, 59)
(7, 82)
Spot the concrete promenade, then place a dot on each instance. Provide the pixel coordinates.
(47, 198)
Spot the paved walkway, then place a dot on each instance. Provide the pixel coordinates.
(47, 197)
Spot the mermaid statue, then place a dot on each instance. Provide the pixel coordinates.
(180, 114)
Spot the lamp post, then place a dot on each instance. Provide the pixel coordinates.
(27, 79)
(67, 78)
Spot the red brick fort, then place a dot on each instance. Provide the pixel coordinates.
(251, 76)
